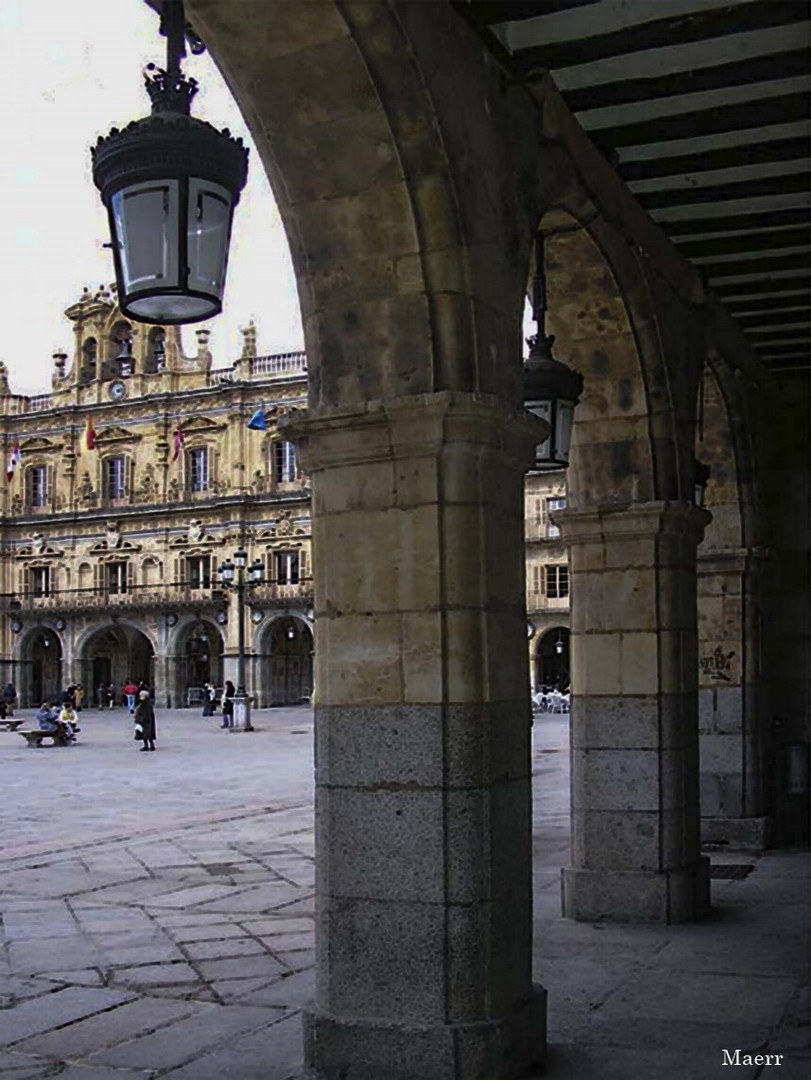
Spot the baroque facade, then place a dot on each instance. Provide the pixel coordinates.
(548, 581)
(110, 552)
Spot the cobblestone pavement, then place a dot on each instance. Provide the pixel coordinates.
(157, 921)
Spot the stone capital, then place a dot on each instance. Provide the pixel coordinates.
(631, 521)
(415, 426)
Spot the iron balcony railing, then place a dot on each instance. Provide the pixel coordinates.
(161, 597)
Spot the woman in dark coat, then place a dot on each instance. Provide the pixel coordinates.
(145, 717)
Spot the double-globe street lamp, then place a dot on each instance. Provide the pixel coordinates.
(240, 578)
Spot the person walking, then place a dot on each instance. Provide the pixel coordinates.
(10, 698)
(209, 699)
(130, 693)
(228, 705)
(145, 720)
(109, 694)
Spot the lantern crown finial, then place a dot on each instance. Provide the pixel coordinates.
(169, 92)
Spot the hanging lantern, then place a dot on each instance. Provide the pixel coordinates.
(551, 389)
(170, 183)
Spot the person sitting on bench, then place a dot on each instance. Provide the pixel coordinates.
(48, 720)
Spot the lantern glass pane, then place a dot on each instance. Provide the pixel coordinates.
(543, 410)
(209, 226)
(146, 217)
(563, 431)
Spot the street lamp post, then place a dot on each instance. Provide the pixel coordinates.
(239, 578)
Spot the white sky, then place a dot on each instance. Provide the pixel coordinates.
(72, 71)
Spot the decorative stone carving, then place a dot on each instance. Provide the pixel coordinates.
(113, 535)
(87, 493)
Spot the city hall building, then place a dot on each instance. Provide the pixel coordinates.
(128, 486)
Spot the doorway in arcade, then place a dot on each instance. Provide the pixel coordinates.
(114, 654)
(286, 663)
(552, 660)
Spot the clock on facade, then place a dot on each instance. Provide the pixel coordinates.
(118, 390)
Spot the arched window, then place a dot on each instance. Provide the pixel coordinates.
(90, 353)
(121, 349)
(156, 353)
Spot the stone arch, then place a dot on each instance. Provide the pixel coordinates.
(735, 730)
(613, 321)
(113, 652)
(284, 658)
(40, 666)
(552, 669)
(410, 271)
(195, 654)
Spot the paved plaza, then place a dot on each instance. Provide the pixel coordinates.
(157, 914)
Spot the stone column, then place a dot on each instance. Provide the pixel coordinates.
(733, 714)
(423, 855)
(635, 813)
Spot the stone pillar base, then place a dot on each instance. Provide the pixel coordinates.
(669, 896)
(500, 1049)
(738, 834)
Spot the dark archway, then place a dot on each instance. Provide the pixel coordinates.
(552, 660)
(286, 663)
(112, 655)
(199, 655)
(41, 667)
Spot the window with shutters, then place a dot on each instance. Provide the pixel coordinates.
(284, 462)
(551, 505)
(117, 578)
(286, 567)
(40, 581)
(198, 469)
(557, 581)
(198, 571)
(38, 486)
(116, 478)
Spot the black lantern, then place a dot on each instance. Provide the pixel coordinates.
(170, 184)
(551, 389)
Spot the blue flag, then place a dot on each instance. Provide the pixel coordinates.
(257, 421)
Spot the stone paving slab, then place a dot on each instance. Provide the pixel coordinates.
(193, 940)
(62, 1007)
(184, 1040)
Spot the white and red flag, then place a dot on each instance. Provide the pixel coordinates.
(14, 460)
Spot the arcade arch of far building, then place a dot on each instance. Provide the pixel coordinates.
(195, 656)
(283, 667)
(552, 671)
(112, 653)
(39, 674)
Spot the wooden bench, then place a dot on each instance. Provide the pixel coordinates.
(34, 737)
(10, 725)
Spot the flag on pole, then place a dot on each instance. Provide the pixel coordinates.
(90, 434)
(177, 441)
(257, 421)
(13, 461)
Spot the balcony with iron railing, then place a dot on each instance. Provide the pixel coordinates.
(160, 597)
